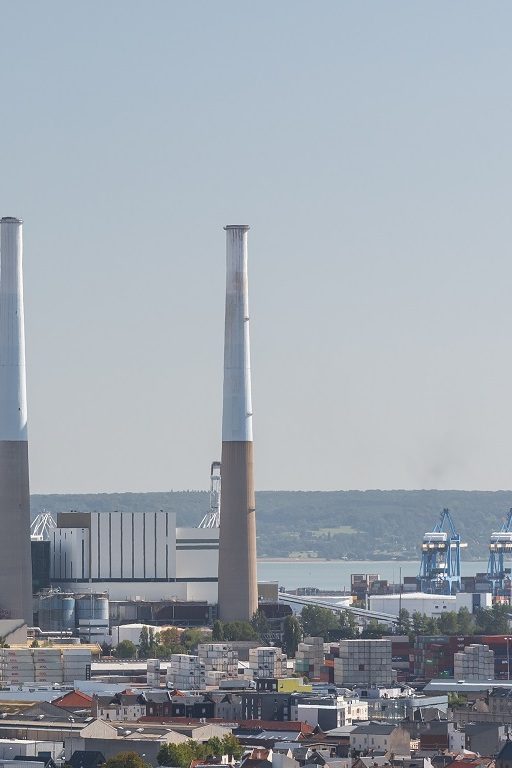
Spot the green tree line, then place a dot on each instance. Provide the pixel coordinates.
(181, 755)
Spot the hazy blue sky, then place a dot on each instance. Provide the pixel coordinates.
(368, 145)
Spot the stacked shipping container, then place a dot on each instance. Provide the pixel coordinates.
(43, 665)
(363, 663)
(218, 658)
(310, 657)
(267, 662)
(186, 672)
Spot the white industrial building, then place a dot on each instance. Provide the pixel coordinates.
(429, 605)
(19, 748)
(134, 556)
(346, 711)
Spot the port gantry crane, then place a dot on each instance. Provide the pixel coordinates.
(212, 517)
(42, 526)
(500, 547)
(440, 558)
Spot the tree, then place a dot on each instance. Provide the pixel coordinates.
(292, 635)
(144, 643)
(259, 623)
(181, 755)
(231, 746)
(418, 623)
(169, 641)
(239, 630)
(126, 650)
(214, 747)
(404, 622)
(154, 641)
(447, 623)
(424, 625)
(126, 760)
(374, 630)
(456, 700)
(217, 631)
(465, 622)
(191, 638)
(493, 621)
(348, 629)
(317, 621)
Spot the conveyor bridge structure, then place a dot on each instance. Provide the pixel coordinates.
(362, 614)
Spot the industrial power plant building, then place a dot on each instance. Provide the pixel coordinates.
(134, 556)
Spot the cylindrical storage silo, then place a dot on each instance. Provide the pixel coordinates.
(92, 617)
(92, 607)
(57, 612)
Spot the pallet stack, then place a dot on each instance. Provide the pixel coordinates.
(310, 657)
(186, 672)
(475, 662)
(219, 657)
(267, 662)
(43, 665)
(75, 663)
(363, 662)
(153, 673)
(16, 665)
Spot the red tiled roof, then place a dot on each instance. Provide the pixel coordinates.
(266, 725)
(181, 720)
(277, 725)
(470, 762)
(73, 699)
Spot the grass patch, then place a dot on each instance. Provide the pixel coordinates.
(344, 529)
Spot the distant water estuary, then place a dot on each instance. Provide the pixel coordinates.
(335, 574)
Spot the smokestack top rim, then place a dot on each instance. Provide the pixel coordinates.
(11, 220)
(245, 227)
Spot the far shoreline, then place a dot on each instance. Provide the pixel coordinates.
(328, 560)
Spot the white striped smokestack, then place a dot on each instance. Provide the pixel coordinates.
(15, 557)
(238, 588)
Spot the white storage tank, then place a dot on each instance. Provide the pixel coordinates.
(93, 606)
(57, 612)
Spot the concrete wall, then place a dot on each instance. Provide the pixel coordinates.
(13, 631)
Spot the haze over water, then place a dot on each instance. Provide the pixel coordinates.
(335, 574)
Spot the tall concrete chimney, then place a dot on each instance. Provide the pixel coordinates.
(15, 556)
(238, 587)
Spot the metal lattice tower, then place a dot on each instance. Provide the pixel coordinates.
(212, 517)
(440, 558)
(500, 547)
(42, 525)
